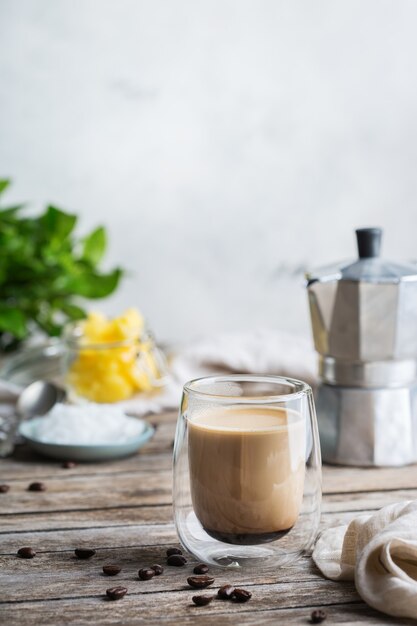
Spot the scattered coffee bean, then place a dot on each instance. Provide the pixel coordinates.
(69, 465)
(37, 487)
(178, 560)
(115, 593)
(202, 600)
(158, 569)
(84, 553)
(111, 570)
(200, 582)
(318, 616)
(201, 568)
(172, 551)
(146, 574)
(26, 553)
(4, 488)
(225, 592)
(241, 595)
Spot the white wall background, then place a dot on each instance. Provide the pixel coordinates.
(224, 143)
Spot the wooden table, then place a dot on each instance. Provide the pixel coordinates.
(123, 510)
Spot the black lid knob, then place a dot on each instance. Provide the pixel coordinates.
(369, 242)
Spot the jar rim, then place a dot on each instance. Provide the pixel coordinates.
(73, 334)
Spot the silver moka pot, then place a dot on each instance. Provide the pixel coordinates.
(364, 319)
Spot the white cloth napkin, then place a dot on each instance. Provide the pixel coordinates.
(256, 352)
(378, 552)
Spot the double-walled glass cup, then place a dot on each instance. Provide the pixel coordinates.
(247, 470)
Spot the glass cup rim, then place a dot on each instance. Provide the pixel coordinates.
(301, 388)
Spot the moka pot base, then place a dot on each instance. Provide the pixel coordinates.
(367, 426)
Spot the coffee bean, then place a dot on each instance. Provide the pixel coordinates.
(68, 465)
(241, 595)
(318, 616)
(84, 553)
(201, 568)
(178, 560)
(202, 600)
(115, 593)
(111, 570)
(158, 569)
(200, 582)
(4, 488)
(146, 574)
(172, 551)
(225, 592)
(37, 487)
(26, 553)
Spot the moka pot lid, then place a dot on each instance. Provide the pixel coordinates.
(369, 267)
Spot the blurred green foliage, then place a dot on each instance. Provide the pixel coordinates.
(45, 270)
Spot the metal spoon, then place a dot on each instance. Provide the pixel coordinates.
(38, 398)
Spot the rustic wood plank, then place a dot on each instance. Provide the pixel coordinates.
(361, 501)
(33, 466)
(348, 614)
(60, 574)
(103, 535)
(87, 518)
(271, 604)
(178, 598)
(66, 540)
(128, 612)
(117, 517)
(151, 488)
(349, 479)
(86, 492)
(27, 465)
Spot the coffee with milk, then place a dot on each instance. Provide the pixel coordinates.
(247, 471)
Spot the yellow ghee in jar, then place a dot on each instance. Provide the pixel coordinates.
(114, 359)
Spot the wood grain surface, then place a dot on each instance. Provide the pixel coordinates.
(123, 510)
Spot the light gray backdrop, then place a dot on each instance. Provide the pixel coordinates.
(225, 144)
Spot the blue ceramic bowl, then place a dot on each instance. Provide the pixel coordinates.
(84, 452)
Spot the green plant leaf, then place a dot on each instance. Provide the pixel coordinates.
(93, 285)
(4, 183)
(57, 222)
(44, 266)
(73, 311)
(10, 211)
(48, 325)
(95, 246)
(13, 321)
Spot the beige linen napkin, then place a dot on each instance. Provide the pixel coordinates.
(378, 552)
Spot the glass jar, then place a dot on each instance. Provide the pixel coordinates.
(110, 372)
(247, 470)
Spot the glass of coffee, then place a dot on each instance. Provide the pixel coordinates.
(247, 470)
